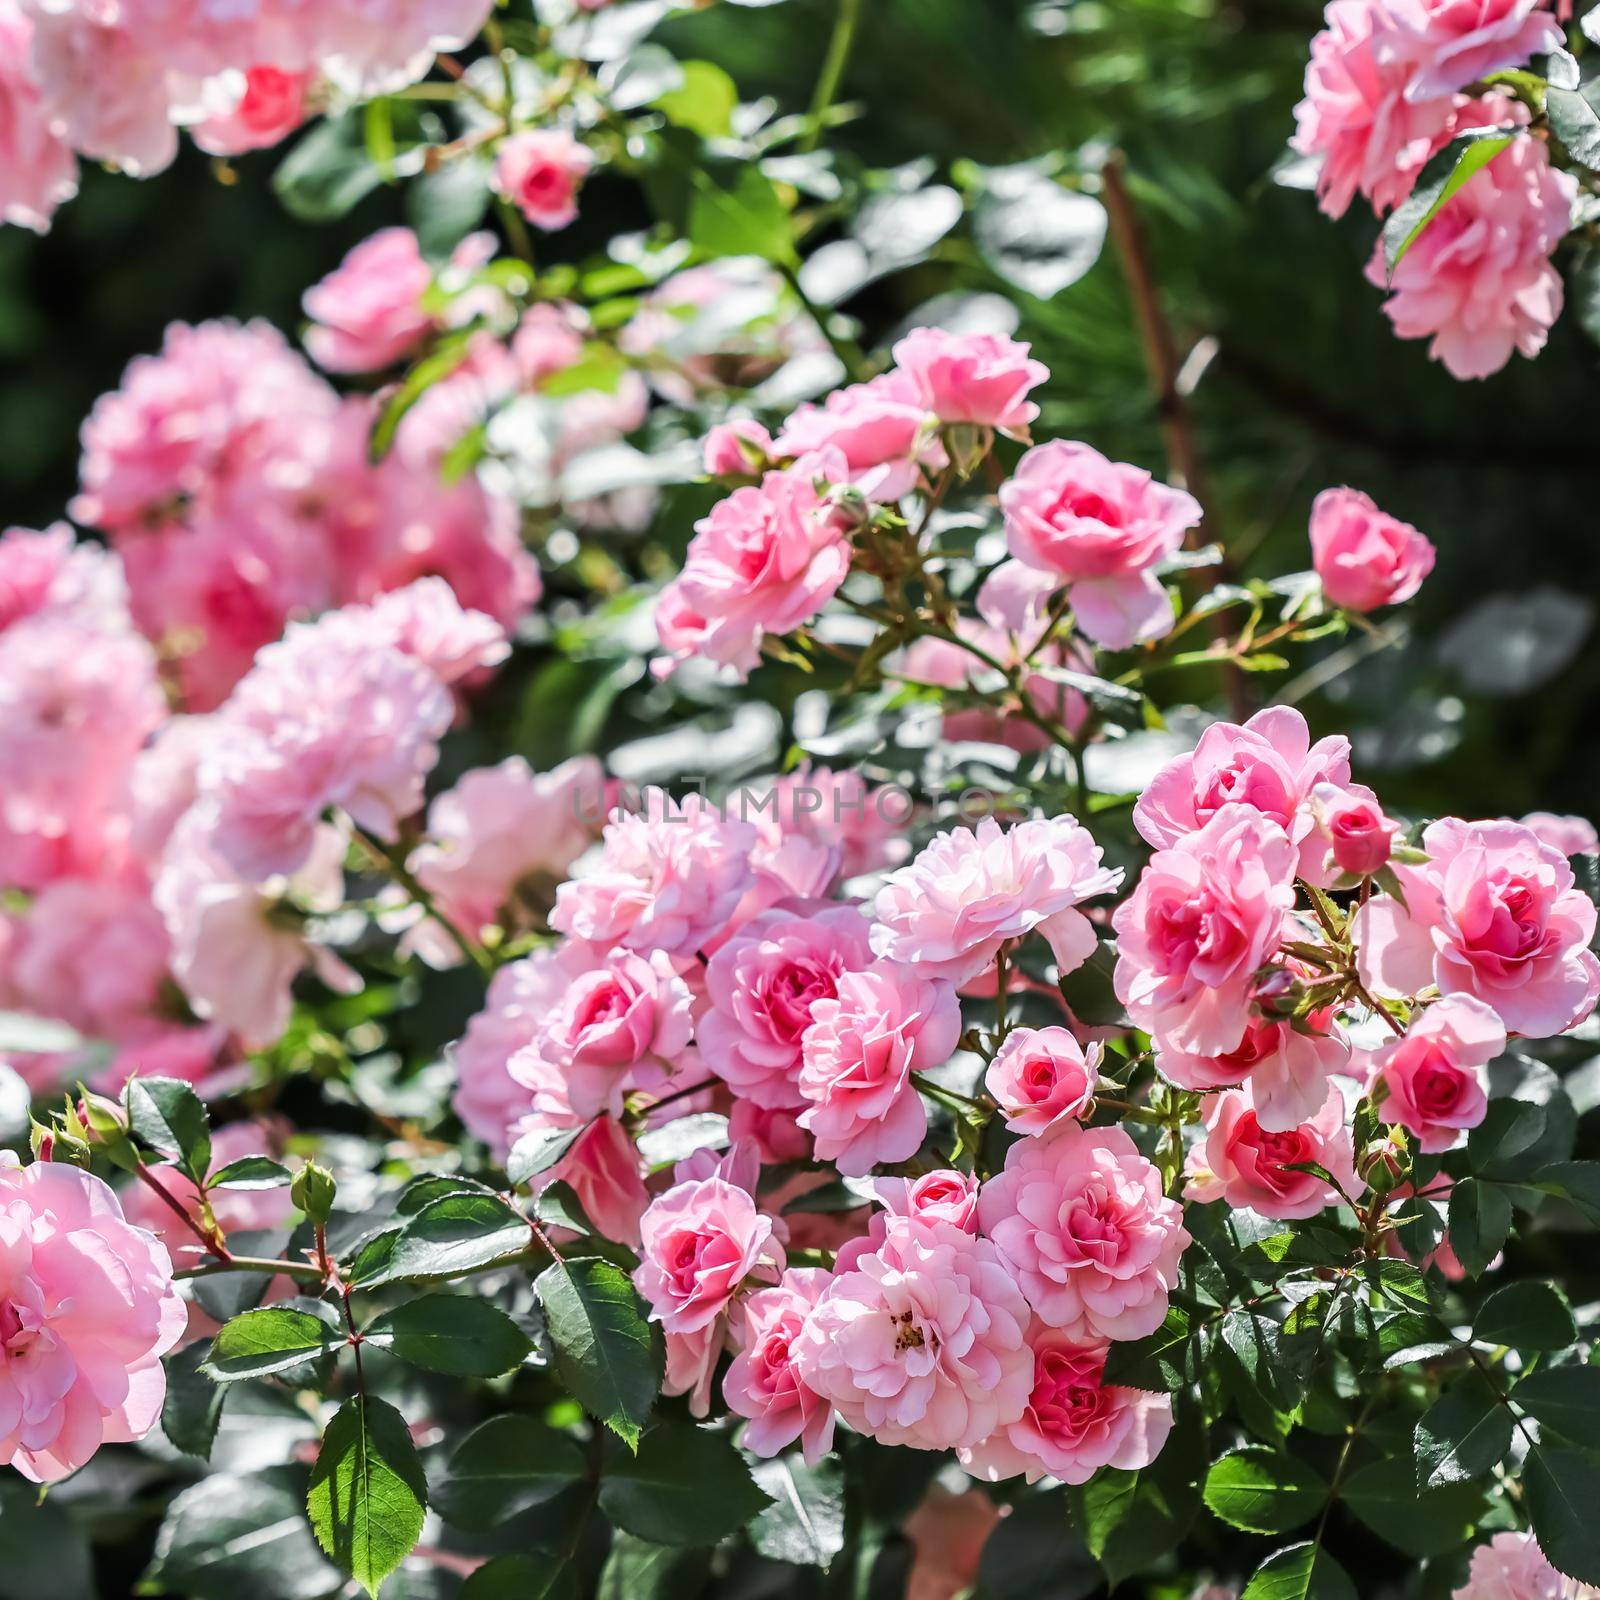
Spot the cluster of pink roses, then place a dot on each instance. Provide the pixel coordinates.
(1384, 93)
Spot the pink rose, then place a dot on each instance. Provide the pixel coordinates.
(777, 1137)
(762, 986)
(1572, 836)
(1080, 1218)
(37, 170)
(857, 1057)
(1365, 557)
(87, 1309)
(862, 823)
(1244, 1164)
(737, 448)
(1494, 914)
(948, 911)
(367, 313)
(1075, 1423)
(1478, 281)
(540, 173)
(1042, 1076)
(272, 106)
(667, 878)
(1434, 1079)
(606, 1173)
(881, 428)
(977, 378)
(1206, 916)
(1102, 527)
(1511, 1566)
(56, 574)
(763, 1383)
(1461, 41)
(942, 1195)
(921, 1342)
(1358, 837)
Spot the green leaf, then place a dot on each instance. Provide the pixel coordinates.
(1384, 1495)
(272, 1339)
(685, 1486)
(744, 219)
(193, 1404)
(1563, 1400)
(44, 1549)
(1439, 182)
(1034, 1554)
(804, 1525)
(703, 102)
(1563, 1489)
(167, 1116)
(1510, 1128)
(1300, 1572)
(454, 1234)
(1131, 1519)
(251, 1172)
(519, 1577)
(1264, 1491)
(1464, 1434)
(458, 1334)
(635, 1569)
(1480, 1222)
(367, 1491)
(1526, 1316)
(505, 1467)
(1575, 122)
(328, 172)
(1574, 1181)
(1158, 1361)
(540, 1150)
(433, 368)
(1412, 1336)
(602, 1347)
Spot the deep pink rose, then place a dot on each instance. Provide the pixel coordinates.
(1206, 916)
(1080, 1218)
(921, 1342)
(1041, 1076)
(1351, 825)
(942, 1195)
(540, 172)
(1434, 1077)
(857, 1057)
(1244, 1164)
(762, 1382)
(1494, 914)
(1365, 557)
(87, 1309)
(977, 378)
(367, 313)
(1102, 527)
(272, 106)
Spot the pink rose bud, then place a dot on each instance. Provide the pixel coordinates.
(1042, 1076)
(539, 172)
(1365, 558)
(1360, 837)
(737, 449)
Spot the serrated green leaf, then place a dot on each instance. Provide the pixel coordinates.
(804, 1525)
(684, 1486)
(1563, 1400)
(458, 1334)
(193, 1404)
(167, 1115)
(1526, 1316)
(251, 1172)
(1263, 1491)
(1300, 1572)
(1437, 184)
(1480, 1222)
(456, 1233)
(505, 1467)
(271, 1339)
(1563, 1489)
(1463, 1435)
(520, 1577)
(1384, 1496)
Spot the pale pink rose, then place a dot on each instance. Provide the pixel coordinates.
(765, 560)
(762, 1383)
(948, 1532)
(667, 878)
(548, 340)
(1102, 528)
(738, 448)
(777, 1137)
(426, 620)
(497, 844)
(487, 1098)
(202, 1056)
(1365, 557)
(948, 911)
(1075, 1422)
(921, 1342)
(1434, 1077)
(1572, 836)
(1511, 1566)
(1461, 41)
(1352, 829)
(1494, 914)
(56, 574)
(606, 1173)
(367, 313)
(881, 427)
(540, 172)
(1206, 915)
(857, 1058)
(1244, 1164)
(87, 1309)
(761, 987)
(1478, 281)
(1268, 763)
(37, 170)
(861, 823)
(1287, 1067)
(272, 106)
(978, 378)
(1042, 1076)
(942, 1195)
(1357, 116)
(680, 629)
(1080, 1218)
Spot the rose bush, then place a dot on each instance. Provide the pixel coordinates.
(937, 1092)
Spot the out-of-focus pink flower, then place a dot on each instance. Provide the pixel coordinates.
(1042, 1076)
(1244, 1164)
(1478, 280)
(861, 823)
(1572, 836)
(1075, 1422)
(1457, 42)
(762, 1383)
(1434, 1076)
(977, 378)
(37, 170)
(1365, 557)
(777, 1137)
(606, 1173)
(367, 313)
(921, 1341)
(738, 448)
(272, 106)
(762, 987)
(881, 427)
(1494, 914)
(1511, 1566)
(55, 574)
(87, 1309)
(487, 1098)
(972, 890)
(1206, 916)
(948, 1532)
(540, 173)
(1359, 838)
(1080, 1218)
(1102, 527)
(857, 1057)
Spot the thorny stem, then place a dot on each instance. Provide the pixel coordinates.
(213, 1246)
